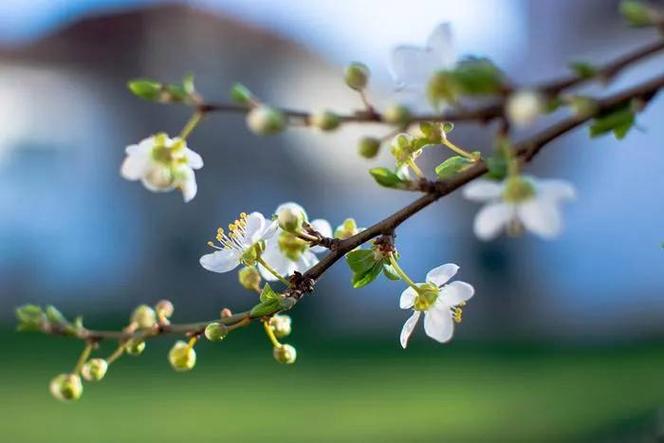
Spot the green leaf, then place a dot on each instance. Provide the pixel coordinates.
(30, 317)
(389, 272)
(453, 166)
(583, 69)
(386, 177)
(361, 260)
(145, 88)
(241, 94)
(268, 294)
(188, 84)
(55, 316)
(619, 121)
(637, 13)
(266, 308)
(176, 93)
(362, 279)
(478, 76)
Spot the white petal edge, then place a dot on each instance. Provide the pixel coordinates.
(441, 274)
(135, 165)
(255, 227)
(221, 261)
(455, 293)
(492, 219)
(483, 190)
(189, 187)
(441, 43)
(194, 159)
(555, 189)
(291, 205)
(541, 217)
(438, 324)
(325, 229)
(408, 328)
(407, 298)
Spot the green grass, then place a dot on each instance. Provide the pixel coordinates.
(356, 392)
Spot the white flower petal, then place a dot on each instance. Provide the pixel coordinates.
(456, 293)
(188, 185)
(291, 205)
(407, 298)
(483, 190)
(271, 228)
(408, 328)
(194, 160)
(135, 166)
(412, 66)
(441, 274)
(221, 261)
(540, 216)
(275, 258)
(306, 261)
(438, 324)
(325, 229)
(554, 189)
(441, 43)
(491, 219)
(255, 227)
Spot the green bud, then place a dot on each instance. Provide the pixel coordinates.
(249, 278)
(164, 308)
(94, 369)
(290, 219)
(397, 114)
(66, 387)
(281, 325)
(285, 354)
(265, 120)
(637, 13)
(144, 317)
(357, 76)
(325, 120)
(368, 147)
(216, 331)
(241, 94)
(347, 229)
(145, 88)
(135, 346)
(182, 357)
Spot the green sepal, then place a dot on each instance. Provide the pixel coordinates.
(268, 294)
(452, 166)
(145, 88)
(619, 121)
(387, 178)
(241, 94)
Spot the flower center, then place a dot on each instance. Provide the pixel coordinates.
(291, 246)
(518, 189)
(427, 294)
(236, 239)
(168, 155)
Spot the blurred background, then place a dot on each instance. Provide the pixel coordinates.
(563, 341)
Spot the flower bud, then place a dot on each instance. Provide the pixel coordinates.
(94, 369)
(216, 331)
(225, 313)
(66, 387)
(144, 317)
(357, 76)
(135, 346)
(368, 147)
(164, 309)
(281, 325)
(285, 354)
(265, 120)
(290, 219)
(523, 107)
(347, 229)
(397, 114)
(325, 121)
(249, 278)
(182, 357)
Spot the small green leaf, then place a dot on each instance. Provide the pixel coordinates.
(387, 178)
(188, 84)
(176, 93)
(478, 76)
(362, 279)
(268, 294)
(266, 308)
(452, 166)
(241, 94)
(637, 13)
(619, 121)
(361, 260)
(145, 88)
(30, 317)
(55, 316)
(583, 69)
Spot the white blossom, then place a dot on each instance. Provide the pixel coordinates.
(519, 202)
(287, 253)
(441, 303)
(239, 246)
(163, 164)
